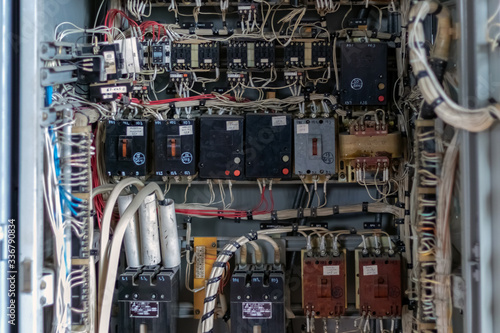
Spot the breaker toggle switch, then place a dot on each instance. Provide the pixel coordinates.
(174, 148)
(124, 149)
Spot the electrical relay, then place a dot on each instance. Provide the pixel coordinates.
(257, 300)
(314, 146)
(221, 147)
(324, 286)
(363, 74)
(268, 140)
(126, 148)
(147, 298)
(380, 285)
(175, 147)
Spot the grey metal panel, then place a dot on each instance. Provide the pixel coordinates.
(6, 47)
(38, 20)
(478, 221)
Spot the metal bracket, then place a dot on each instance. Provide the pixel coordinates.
(50, 115)
(57, 51)
(47, 288)
(58, 75)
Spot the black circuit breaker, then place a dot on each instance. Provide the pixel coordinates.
(221, 147)
(257, 300)
(363, 74)
(147, 298)
(174, 147)
(295, 54)
(126, 148)
(237, 55)
(268, 151)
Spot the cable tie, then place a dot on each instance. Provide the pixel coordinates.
(421, 75)
(407, 212)
(438, 101)
(235, 244)
(336, 210)
(214, 280)
(220, 264)
(203, 102)
(226, 253)
(400, 204)
(227, 316)
(295, 228)
(393, 37)
(419, 45)
(220, 214)
(493, 115)
(252, 236)
(399, 221)
(274, 216)
(374, 33)
(210, 298)
(365, 207)
(314, 212)
(172, 105)
(237, 219)
(300, 213)
(407, 194)
(206, 316)
(249, 215)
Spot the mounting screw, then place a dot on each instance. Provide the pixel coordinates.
(238, 297)
(214, 244)
(196, 312)
(127, 296)
(43, 300)
(135, 296)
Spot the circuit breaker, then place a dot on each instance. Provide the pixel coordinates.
(314, 146)
(268, 139)
(126, 148)
(221, 147)
(175, 147)
(257, 300)
(324, 286)
(380, 286)
(147, 298)
(363, 74)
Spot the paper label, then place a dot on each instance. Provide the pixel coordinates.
(144, 310)
(294, 59)
(279, 121)
(331, 270)
(109, 62)
(370, 270)
(186, 130)
(257, 310)
(302, 128)
(232, 125)
(135, 131)
(264, 60)
(180, 61)
(114, 90)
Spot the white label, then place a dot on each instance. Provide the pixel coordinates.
(370, 270)
(186, 130)
(302, 128)
(114, 90)
(109, 62)
(291, 74)
(176, 75)
(207, 61)
(279, 121)
(237, 61)
(331, 270)
(294, 59)
(232, 125)
(244, 7)
(135, 131)
(264, 60)
(180, 61)
(322, 59)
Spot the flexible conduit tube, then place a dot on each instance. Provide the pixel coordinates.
(169, 241)
(132, 240)
(107, 283)
(150, 238)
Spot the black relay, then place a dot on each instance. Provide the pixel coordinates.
(363, 74)
(268, 151)
(126, 148)
(147, 297)
(175, 147)
(258, 299)
(221, 147)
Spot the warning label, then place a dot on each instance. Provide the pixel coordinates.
(144, 310)
(257, 310)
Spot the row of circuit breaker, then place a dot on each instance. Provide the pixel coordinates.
(147, 295)
(222, 147)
